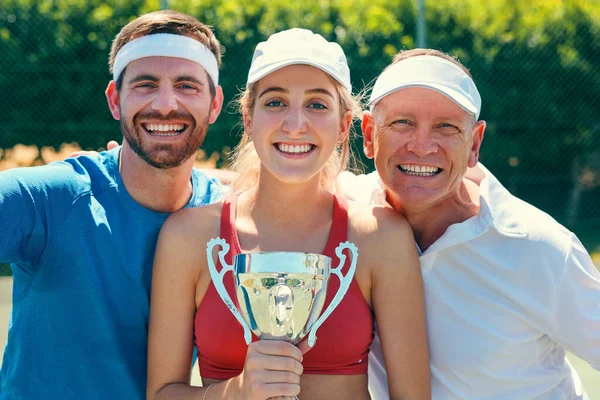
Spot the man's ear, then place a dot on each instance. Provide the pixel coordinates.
(216, 105)
(112, 97)
(477, 132)
(368, 131)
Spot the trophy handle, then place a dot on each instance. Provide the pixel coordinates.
(344, 285)
(217, 278)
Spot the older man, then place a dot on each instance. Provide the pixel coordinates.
(507, 288)
(81, 234)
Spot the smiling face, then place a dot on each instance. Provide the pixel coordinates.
(422, 143)
(296, 122)
(165, 107)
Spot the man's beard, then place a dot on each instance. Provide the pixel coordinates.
(165, 155)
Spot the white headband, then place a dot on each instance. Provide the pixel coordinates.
(430, 72)
(167, 45)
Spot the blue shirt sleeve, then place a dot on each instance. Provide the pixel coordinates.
(32, 205)
(206, 190)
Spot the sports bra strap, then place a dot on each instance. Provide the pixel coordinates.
(228, 232)
(337, 235)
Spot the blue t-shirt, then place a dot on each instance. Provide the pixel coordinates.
(81, 250)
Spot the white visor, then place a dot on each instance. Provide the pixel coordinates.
(167, 45)
(430, 72)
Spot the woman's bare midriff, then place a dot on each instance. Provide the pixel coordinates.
(327, 387)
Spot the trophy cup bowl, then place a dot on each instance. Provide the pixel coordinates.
(281, 294)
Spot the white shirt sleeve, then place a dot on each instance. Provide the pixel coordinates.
(365, 189)
(576, 316)
(378, 384)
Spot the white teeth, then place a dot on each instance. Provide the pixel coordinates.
(419, 170)
(165, 129)
(291, 149)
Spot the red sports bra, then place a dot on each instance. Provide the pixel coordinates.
(343, 340)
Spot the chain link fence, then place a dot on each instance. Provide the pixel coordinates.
(540, 89)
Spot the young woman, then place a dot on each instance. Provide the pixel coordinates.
(297, 111)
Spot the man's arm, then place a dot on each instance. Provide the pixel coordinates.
(23, 217)
(222, 175)
(368, 188)
(576, 312)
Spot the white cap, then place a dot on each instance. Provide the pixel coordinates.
(299, 46)
(430, 72)
(167, 45)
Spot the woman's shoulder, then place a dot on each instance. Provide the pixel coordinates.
(195, 222)
(377, 229)
(376, 220)
(384, 238)
(183, 239)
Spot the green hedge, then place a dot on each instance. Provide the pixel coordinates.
(535, 63)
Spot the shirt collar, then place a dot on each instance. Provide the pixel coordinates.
(497, 206)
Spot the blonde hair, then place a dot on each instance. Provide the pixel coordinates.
(245, 160)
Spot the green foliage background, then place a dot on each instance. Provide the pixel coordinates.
(535, 62)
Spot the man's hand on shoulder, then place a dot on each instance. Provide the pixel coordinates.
(109, 146)
(224, 176)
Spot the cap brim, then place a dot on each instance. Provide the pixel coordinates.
(266, 70)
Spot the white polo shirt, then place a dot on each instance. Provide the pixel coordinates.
(507, 292)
